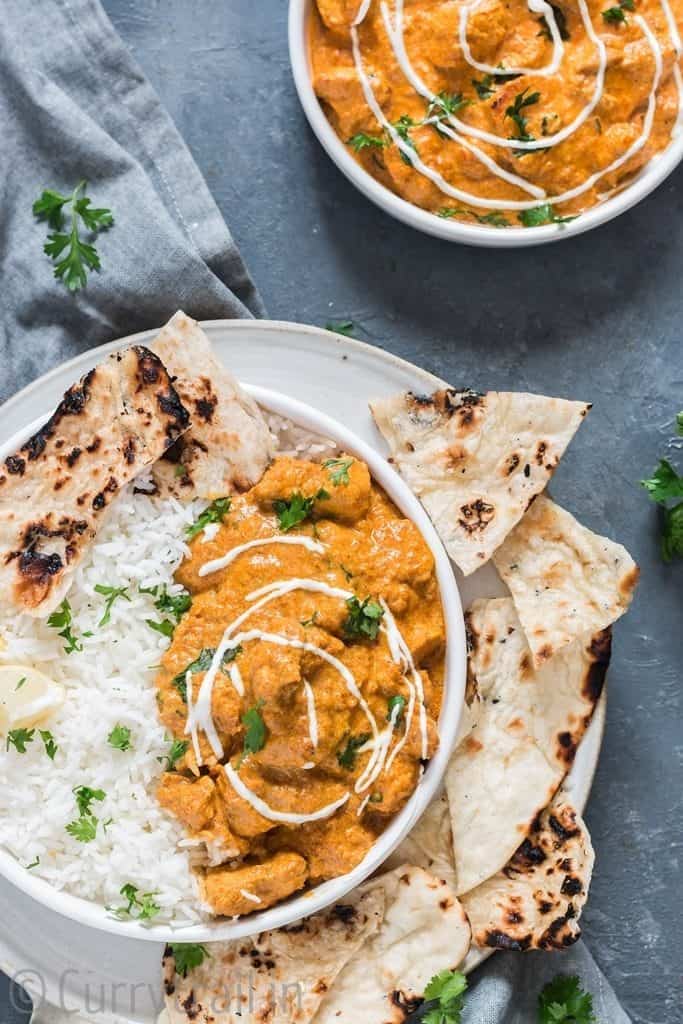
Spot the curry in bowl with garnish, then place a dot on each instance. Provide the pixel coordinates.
(304, 684)
(503, 114)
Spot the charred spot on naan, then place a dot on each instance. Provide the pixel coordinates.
(476, 515)
(600, 648)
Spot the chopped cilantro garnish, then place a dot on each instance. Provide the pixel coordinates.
(83, 829)
(48, 739)
(200, 664)
(402, 128)
(345, 327)
(20, 684)
(444, 998)
(120, 737)
(213, 513)
(140, 906)
(177, 750)
(174, 604)
(18, 738)
(165, 627)
(339, 470)
(544, 214)
(665, 483)
(255, 735)
(297, 509)
(62, 620)
(515, 111)
(112, 594)
(561, 21)
(348, 755)
(188, 956)
(397, 701)
(364, 618)
(562, 1001)
(361, 141)
(85, 796)
(33, 864)
(615, 15)
(310, 622)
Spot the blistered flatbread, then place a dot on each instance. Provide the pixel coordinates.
(565, 580)
(54, 492)
(528, 724)
(424, 931)
(228, 445)
(536, 900)
(476, 461)
(429, 844)
(278, 976)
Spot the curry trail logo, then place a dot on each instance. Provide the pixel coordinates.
(73, 992)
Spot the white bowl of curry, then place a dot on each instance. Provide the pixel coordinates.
(491, 123)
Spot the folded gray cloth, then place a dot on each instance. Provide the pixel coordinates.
(74, 105)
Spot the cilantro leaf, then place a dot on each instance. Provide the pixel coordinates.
(364, 618)
(361, 141)
(665, 483)
(85, 796)
(345, 327)
(83, 829)
(672, 533)
(48, 739)
(255, 735)
(165, 627)
(188, 956)
(112, 594)
(62, 620)
(140, 906)
(522, 100)
(544, 214)
(445, 998)
(402, 128)
(175, 604)
(339, 470)
(297, 509)
(397, 701)
(348, 755)
(200, 664)
(484, 87)
(213, 513)
(561, 21)
(120, 738)
(562, 1001)
(18, 738)
(75, 256)
(175, 752)
(615, 15)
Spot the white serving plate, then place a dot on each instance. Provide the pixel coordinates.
(109, 976)
(652, 175)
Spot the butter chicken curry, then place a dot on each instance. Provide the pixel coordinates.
(500, 112)
(303, 685)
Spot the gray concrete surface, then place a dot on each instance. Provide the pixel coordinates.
(596, 318)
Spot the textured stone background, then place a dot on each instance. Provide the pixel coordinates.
(596, 318)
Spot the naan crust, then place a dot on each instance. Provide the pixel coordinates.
(279, 976)
(55, 491)
(476, 461)
(228, 445)
(535, 902)
(429, 844)
(424, 931)
(528, 725)
(565, 580)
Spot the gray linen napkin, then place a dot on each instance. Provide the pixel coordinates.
(73, 105)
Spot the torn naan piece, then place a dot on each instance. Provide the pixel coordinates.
(228, 445)
(536, 900)
(424, 931)
(279, 976)
(54, 492)
(528, 724)
(429, 844)
(565, 580)
(476, 461)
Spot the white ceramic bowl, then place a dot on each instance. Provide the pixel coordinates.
(653, 173)
(96, 916)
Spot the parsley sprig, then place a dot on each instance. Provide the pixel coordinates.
(213, 513)
(562, 1001)
(62, 620)
(663, 486)
(72, 255)
(445, 997)
(188, 956)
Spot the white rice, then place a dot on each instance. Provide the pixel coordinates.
(110, 682)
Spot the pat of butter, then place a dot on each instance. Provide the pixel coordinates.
(27, 697)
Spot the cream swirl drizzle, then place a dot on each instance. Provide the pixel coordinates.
(222, 563)
(286, 817)
(396, 38)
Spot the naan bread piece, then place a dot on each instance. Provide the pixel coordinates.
(55, 491)
(565, 580)
(278, 976)
(475, 461)
(536, 900)
(528, 726)
(424, 931)
(429, 844)
(228, 445)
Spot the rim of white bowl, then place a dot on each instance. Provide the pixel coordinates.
(652, 175)
(95, 915)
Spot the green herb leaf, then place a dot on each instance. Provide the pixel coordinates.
(339, 470)
(112, 594)
(200, 664)
(544, 214)
(615, 15)
(679, 424)
(672, 533)
(85, 796)
(665, 483)
(140, 906)
(188, 956)
(297, 509)
(560, 19)
(562, 1001)
(345, 327)
(447, 212)
(522, 100)
(165, 627)
(255, 735)
(214, 513)
(20, 684)
(397, 701)
(120, 738)
(33, 864)
(18, 738)
(402, 128)
(61, 620)
(484, 87)
(361, 141)
(83, 829)
(48, 739)
(77, 256)
(445, 103)
(310, 622)
(445, 996)
(177, 750)
(175, 604)
(495, 219)
(348, 756)
(364, 618)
